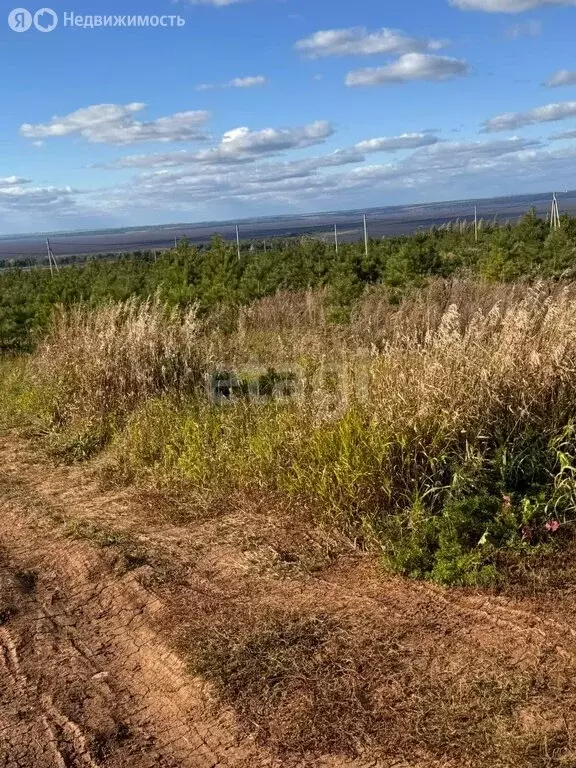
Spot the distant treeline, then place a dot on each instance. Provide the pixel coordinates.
(214, 275)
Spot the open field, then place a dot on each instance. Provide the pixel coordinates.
(295, 531)
(288, 384)
(384, 222)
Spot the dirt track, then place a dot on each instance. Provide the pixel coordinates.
(87, 675)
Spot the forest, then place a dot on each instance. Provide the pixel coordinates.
(213, 276)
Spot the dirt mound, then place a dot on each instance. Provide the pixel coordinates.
(249, 638)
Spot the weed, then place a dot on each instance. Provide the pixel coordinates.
(133, 554)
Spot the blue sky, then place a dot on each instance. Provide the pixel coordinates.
(258, 107)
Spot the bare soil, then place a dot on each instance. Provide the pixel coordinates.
(247, 637)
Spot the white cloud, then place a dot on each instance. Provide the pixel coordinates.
(24, 198)
(242, 142)
(546, 114)
(394, 143)
(358, 41)
(236, 147)
(253, 81)
(12, 181)
(530, 28)
(561, 77)
(466, 154)
(290, 183)
(411, 66)
(232, 150)
(564, 135)
(116, 124)
(335, 179)
(248, 82)
(506, 6)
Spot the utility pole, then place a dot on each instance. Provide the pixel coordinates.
(53, 264)
(265, 250)
(49, 257)
(476, 223)
(238, 240)
(336, 238)
(365, 236)
(555, 214)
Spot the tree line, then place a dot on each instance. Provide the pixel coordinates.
(216, 275)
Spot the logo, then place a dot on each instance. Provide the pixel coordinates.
(45, 20)
(21, 20)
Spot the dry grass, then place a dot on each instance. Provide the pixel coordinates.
(102, 363)
(440, 428)
(313, 683)
(440, 431)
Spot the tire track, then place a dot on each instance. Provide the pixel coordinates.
(88, 678)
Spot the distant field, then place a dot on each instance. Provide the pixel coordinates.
(386, 221)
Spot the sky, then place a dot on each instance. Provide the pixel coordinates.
(263, 107)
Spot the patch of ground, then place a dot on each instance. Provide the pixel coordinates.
(249, 638)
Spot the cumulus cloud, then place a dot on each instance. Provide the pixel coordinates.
(24, 198)
(332, 179)
(423, 165)
(116, 124)
(547, 114)
(242, 142)
(22, 202)
(13, 181)
(561, 77)
(467, 154)
(253, 81)
(410, 66)
(506, 6)
(231, 151)
(395, 143)
(564, 135)
(238, 146)
(291, 182)
(358, 41)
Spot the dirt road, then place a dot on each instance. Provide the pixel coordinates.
(96, 585)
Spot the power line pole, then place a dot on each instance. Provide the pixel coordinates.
(53, 264)
(365, 235)
(555, 222)
(336, 238)
(238, 240)
(49, 257)
(476, 223)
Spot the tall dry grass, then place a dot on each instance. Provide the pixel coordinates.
(95, 366)
(410, 425)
